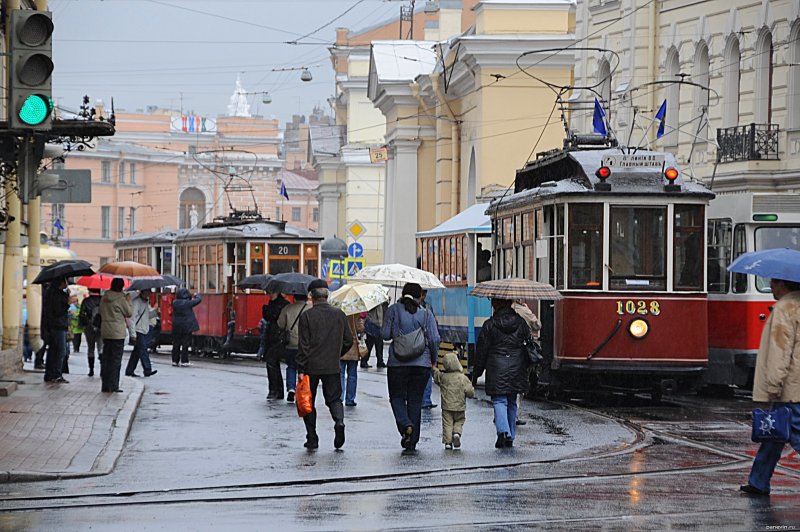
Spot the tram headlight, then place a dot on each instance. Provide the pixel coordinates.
(638, 328)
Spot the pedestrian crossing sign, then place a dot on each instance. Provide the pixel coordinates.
(337, 268)
(354, 266)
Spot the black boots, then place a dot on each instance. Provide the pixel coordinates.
(91, 366)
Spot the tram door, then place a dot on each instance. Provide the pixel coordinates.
(549, 255)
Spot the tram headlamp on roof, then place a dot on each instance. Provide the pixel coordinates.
(671, 174)
(603, 173)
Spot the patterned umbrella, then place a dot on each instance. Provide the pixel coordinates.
(515, 289)
(397, 274)
(358, 298)
(129, 270)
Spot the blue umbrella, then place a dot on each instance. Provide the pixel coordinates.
(782, 263)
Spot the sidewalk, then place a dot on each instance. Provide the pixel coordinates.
(50, 431)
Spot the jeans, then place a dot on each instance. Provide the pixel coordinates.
(140, 353)
(56, 353)
(349, 388)
(426, 396)
(505, 414)
(770, 453)
(291, 369)
(331, 390)
(110, 364)
(406, 386)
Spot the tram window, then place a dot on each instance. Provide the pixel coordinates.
(311, 257)
(586, 245)
(739, 246)
(284, 258)
(775, 237)
(241, 252)
(719, 251)
(508, 263)
(688, 241)
(211, 277)
(483, 260)
(638, 248)
(256, 258)
(527, 227)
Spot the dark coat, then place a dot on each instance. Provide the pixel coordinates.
(323, 337)
(501, 353)
(55, 309)
(183, 318)
(271, 312)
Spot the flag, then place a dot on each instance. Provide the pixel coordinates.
(598, 120)
(57, 224)
(283, 190)
(661, 116)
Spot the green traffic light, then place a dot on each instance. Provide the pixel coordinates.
(35, 110)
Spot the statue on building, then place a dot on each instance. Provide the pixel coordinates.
(193, 216)
(238, 105)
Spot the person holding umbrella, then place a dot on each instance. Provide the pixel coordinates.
(115, 307)
(139, 331)
(55, 323)
(501, 352)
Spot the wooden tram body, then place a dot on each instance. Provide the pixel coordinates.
(739, 304)
(211, 260)
(626, 250)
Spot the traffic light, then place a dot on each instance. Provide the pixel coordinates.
(30, 102)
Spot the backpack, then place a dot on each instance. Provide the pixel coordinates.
(89, 315)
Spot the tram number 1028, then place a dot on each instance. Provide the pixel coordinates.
(643, 308)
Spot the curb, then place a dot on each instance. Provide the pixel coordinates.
(100, 454)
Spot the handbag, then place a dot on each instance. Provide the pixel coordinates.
(302, 397)
(533, 351)
(363, 350)
(284, 334)
(411, 345)
(771, 425)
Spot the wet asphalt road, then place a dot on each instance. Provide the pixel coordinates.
(207, 452)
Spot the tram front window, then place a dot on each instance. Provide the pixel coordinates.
(638, 248)
(772, 238)
(586, 243)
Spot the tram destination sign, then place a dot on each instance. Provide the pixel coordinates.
(634, 160)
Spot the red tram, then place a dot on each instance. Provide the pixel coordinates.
(211, 260)
(622, 236)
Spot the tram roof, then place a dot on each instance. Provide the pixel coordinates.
(250, 231)
(471, 220)
(152, 238)
(572, 172)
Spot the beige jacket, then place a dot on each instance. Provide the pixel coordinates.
(528, 315)
(778, 361)
(290, 316)
(114, 308)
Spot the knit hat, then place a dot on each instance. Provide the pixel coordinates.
(317, 283)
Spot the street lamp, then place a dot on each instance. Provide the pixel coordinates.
(266, 98)
(305, 75)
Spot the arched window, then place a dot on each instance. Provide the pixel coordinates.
(472, 178)
(604, 80)
(730, 91)
(192, 209)
(793, 94)
(763, 71)
(700, 76)
(672, 68)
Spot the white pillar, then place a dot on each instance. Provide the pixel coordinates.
(401, 203)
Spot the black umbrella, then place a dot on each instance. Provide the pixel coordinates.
(289, 283)
(257, 282)
(147, 284)
(64, 268)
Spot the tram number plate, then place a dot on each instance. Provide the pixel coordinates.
(643, 308)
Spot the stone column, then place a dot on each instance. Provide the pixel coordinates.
(401, 202)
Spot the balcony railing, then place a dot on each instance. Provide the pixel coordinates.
(753, 142)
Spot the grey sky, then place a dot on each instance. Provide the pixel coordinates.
(148, 52)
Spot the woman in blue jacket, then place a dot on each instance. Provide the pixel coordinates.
(407, 379)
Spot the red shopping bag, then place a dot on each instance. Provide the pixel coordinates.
(302, 397)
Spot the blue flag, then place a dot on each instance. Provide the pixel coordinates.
(598, 120)
(57, 224)
(661, 116)
(283, 190)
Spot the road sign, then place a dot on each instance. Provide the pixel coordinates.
(634, 160)
(354, 266)
(355, 250)
(337, 268)
(74, 186)
(356, 230)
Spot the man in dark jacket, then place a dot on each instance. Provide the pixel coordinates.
(274, 348)
(184, 323)
(54, 325)
(323, 338)
(501, 352)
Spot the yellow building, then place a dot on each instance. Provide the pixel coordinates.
(462, 116)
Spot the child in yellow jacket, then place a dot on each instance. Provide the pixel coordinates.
(455, 387)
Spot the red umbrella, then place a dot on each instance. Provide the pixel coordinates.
(129, 270)
(99, 281)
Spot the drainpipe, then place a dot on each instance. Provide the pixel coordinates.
(455, 135)
(34, 291)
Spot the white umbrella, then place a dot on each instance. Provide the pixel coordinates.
(397, 274)
(357, 298)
